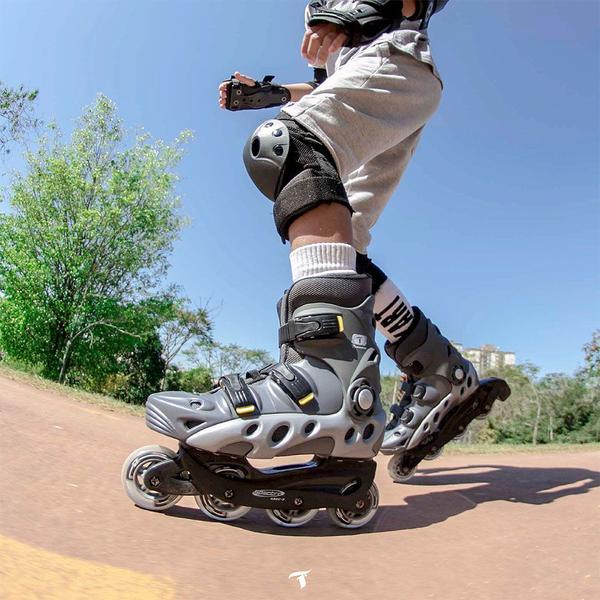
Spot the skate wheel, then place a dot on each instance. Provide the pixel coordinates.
(217, 508)
(461, 435)
(347, 519)
(435, 454)
(484, 415)
(396, 472)
(132, 477)
(292, 518)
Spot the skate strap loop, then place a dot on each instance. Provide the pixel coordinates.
(239, 395)
(292, 383)
(311, 327)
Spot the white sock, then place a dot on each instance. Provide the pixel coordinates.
(393, 313)
(322, 259)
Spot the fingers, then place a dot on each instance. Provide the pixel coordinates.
(304, 46)
(321, 41)
(244, 78)
(314, 43)
(338, 42)
(323, 52)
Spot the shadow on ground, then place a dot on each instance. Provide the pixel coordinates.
(475, 485)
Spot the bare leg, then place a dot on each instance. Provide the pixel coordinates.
(325, 223)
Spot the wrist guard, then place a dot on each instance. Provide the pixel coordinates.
(320, 77)
(263, 94)
(364, 23)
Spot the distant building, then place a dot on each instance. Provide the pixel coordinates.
(487, 357)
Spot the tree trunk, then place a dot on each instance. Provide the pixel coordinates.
(64, 364)
(536, 424)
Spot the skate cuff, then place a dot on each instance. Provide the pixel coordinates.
(239, 395)
(311, 327)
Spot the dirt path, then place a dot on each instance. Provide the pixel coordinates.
(485, 527)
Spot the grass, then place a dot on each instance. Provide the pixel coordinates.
(457, 448)
(17, 373)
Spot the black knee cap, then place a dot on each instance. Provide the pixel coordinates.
(293, 168)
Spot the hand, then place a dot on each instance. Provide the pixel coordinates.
(223, 87)
(320, 41)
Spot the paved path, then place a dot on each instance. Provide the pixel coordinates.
(486, 527)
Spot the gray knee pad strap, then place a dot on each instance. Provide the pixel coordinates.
(291, 166)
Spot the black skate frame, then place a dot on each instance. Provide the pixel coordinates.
(324, 482)
(456, 421)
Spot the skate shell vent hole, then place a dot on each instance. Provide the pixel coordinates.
(279, 433)
(309, 428)
(436, 417)
(251, 429)
(255, 146)
(349, 434)
(191, 424)
(470, 381)
(368, 432)
(426, 428)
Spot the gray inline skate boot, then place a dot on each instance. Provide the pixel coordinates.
(442, 395)
(322, 398)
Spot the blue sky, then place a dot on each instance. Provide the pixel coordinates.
(494, 230)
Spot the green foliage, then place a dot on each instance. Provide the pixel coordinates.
(16, 115)
(196, 380)
(84, 249)
(139, 373)
(555, 408)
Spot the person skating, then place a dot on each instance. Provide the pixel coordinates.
(375, 87)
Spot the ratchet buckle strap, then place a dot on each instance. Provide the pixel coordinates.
(239, 395)
(311, 327)
(292, 383)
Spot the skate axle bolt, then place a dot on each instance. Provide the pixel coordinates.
(360, 504)
(228, 494)
(155, 481)
(298, 502)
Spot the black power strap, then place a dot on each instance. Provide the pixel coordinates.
(292, 383)
(311, 327)
(263, 94)
(239, 395)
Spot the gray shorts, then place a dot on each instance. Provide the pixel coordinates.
(370, 113)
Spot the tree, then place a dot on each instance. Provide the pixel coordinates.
(222, 359)
(16, 115)
(92, 223)
(182, 326)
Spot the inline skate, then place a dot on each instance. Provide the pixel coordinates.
(442, 394)
(322, 398)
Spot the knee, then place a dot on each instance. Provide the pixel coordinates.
(293, 168)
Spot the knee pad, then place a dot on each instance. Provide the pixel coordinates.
(293, 168)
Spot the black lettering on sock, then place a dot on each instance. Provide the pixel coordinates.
(388, 307)
(403, 323)
(396, 314)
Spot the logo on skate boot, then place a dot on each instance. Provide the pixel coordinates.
(301, 577)
(273, 494)
(359, 340)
